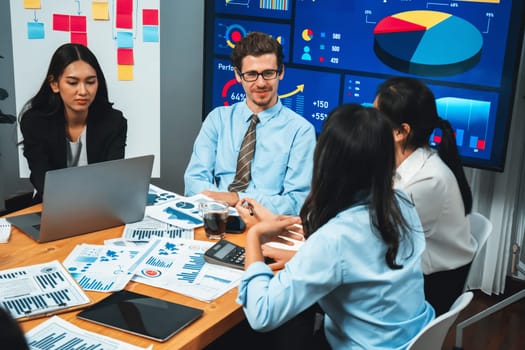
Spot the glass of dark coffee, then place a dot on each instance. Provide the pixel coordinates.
(215, 215)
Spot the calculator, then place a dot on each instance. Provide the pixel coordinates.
(226, 253)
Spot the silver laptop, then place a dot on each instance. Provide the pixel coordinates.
(89, 198)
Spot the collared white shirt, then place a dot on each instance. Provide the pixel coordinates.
(435, 192)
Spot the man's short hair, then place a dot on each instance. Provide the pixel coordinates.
(256, 44)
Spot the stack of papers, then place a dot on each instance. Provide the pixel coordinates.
(179, 266)
(173, 264)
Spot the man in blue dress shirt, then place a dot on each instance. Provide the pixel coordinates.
(281, 168)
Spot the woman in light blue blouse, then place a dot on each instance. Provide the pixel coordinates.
(362, 259)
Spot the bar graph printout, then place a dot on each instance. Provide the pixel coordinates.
(149, 228)
(56, 333)
(178, 265)
(39, 290)
(102, 268)
(5, 230)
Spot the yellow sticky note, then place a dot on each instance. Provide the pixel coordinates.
(99, 11)
(125, 72)
(32, 4)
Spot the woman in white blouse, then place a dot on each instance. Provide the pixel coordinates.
(436, 182)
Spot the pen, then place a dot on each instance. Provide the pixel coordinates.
(248, 206)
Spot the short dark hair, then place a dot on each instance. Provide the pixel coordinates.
(354, 161)
(410, 101)
(11, 335)
(47, 102)
(256, 44)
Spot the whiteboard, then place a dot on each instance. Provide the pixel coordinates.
(138, 98)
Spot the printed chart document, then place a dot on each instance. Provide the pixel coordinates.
(39, 290)
(149, 228)
(56, 333)
(181, 212)
(157, 195)
(103, 268)
(5, 230)
(178, 265)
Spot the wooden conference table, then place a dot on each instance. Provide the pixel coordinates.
(219, 316)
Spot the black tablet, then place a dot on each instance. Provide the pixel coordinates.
(141, 315)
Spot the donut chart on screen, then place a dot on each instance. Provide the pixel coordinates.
(427, 43)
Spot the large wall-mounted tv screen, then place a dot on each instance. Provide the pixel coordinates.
(339, 51)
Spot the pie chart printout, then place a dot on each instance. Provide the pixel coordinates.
(427, 43)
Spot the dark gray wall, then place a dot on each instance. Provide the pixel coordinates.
(181, 47)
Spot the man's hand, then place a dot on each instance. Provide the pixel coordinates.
(230, 197)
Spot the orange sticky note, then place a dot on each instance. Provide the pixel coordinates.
(100, 11)
(32, 4)
(125, 72)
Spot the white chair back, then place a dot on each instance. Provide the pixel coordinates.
(481, 228)
(433, 335)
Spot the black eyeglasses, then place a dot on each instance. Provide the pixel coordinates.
(268, 74)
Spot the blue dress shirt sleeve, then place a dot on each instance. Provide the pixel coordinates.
(199, 175)
(342, 267)
(281, 170)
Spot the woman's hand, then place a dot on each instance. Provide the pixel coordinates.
(275, 229)
(279, 256)
(265, 231)
(252, 212)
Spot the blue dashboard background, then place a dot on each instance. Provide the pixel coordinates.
(330, 59)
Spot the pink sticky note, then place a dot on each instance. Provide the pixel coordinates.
(79, 38)
(124, 7)
(61, 22)
(150, 17)
(125, 56)
(124, 21)
(78, 24)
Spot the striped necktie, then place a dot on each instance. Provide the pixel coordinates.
(244, 160)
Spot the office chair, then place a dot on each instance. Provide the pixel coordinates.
(480, 228)
(433, 335)
(482, 224)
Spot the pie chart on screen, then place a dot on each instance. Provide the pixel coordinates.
(427, 43)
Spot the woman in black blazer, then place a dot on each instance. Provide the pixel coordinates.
(70, 121)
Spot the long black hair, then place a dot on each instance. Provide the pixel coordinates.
(354, 159)
(47, 102)
(410, 101)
